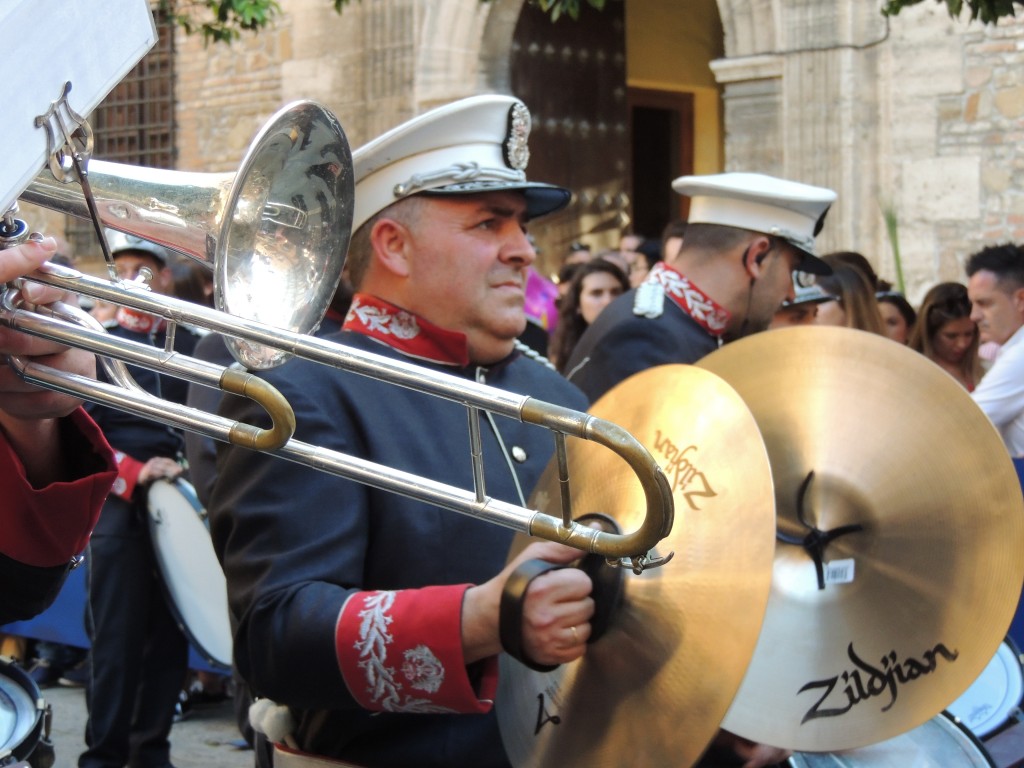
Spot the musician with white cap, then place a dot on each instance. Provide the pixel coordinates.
(745, 235)
(802, 308)
(371, 617)
(139, 655)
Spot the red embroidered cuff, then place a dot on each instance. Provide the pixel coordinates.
(402, 652)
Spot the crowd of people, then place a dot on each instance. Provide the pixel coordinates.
(851, 294)
(352, 613)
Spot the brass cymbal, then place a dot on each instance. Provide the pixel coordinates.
(920, 525)
(653, 689)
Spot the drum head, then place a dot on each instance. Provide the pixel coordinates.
(192, 576)
(939, 743)
(21, 712)
(993, 697)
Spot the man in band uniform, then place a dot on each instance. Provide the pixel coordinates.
(373, 618)
(138, 655)
(746, 235)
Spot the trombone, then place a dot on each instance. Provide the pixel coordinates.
(236, 228)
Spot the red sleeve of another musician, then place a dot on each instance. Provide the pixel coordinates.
(402, 652)
(46, 527)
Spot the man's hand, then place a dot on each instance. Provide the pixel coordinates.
(754, 755)
(18, 399)
(556, 610)
(157, 468)
(28, 414)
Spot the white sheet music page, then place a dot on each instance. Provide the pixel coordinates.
(46, 43)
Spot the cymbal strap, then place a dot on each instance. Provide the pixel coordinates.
(510, 616)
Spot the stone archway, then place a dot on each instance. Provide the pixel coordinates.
(749, 26)
(496, 44)
(801, 91)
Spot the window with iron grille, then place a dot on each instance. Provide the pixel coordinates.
(134, 124)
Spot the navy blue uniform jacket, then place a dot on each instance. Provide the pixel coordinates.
(296, 543)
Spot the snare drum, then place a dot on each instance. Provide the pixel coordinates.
(995, 695)
(191, 574)
(22, 713)
(940, 743)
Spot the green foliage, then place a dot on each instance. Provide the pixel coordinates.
(222, 21)
(569, 7)
(892, 230)
(989, 11)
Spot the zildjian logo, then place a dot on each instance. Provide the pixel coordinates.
(868, 682)
(683, 473)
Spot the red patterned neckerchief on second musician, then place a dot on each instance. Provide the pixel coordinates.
(140, 322)
(692, 300)
(406, 332)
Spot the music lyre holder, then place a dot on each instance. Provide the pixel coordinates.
(69, 142)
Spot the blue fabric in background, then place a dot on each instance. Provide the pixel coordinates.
(64, 622)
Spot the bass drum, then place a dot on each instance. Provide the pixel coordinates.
(940, 743)
(191, 574)
(23, 713)
(995, 696)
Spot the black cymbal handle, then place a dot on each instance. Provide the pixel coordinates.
(510, 617)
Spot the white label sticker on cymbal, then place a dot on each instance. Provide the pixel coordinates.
(839, 572)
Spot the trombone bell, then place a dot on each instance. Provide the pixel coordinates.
(275, 233)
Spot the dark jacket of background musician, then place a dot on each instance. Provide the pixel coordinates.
(619, 344)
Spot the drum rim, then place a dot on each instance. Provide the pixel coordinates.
(188, 492)
(946, 717)
(10, 669)
(1015, 702)
(970, 735)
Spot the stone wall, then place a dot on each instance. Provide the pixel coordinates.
(920, 116)
(983, 124)
(374, 65)
(225, 93)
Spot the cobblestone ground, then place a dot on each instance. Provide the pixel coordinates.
(208, 738)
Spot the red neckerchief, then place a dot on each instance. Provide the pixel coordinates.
(404, 331)
(140, 322)
(337, 317)
(692, 300)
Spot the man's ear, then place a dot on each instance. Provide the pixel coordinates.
(390, 242)
(1018, 300)
(755, 254)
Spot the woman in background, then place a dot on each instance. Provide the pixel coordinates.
(897, 314)
(855, 305)
(946, 335)
(593, 287)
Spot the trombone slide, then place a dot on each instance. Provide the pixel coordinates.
(634, 546)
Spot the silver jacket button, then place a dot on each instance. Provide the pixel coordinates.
(518, 454)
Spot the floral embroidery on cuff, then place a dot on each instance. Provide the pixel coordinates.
(421, 667)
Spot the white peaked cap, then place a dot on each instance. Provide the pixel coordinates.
(786, 209)
(471, 146)
(120, 242)
(807, 291)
